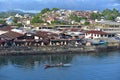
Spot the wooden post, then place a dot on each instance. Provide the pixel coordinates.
(65, 43)
(42, 44)
(50, 43)
(61, 43)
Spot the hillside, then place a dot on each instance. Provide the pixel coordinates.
(12, 13)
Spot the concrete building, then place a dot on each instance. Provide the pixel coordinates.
(93, 34)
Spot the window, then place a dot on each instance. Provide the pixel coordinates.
(113, 35)
(101, 35)
(105, 35)
(98, 35)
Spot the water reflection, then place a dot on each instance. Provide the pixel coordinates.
(31, 61)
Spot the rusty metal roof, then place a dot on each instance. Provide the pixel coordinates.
(11, 35)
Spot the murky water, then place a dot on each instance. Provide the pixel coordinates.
(94, 66)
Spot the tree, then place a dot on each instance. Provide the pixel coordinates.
(94, 16)
(107, 12)
(19, 24)
(36, 19)
(75, 18)
(2, 22)
(15, 19)
(45, 10)
(111, 17)
(55, 22)
(63, 22)
(110, 14)
(55, 9)
(87, 23)
(115, 11)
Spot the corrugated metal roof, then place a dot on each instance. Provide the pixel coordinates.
(11, 35)
(96, 32)
(109, 23)
(6, 28)
(45, 34)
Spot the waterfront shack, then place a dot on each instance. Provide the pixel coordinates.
(45, 36)
(9, 37)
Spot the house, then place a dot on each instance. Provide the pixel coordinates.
(93, 34)
(45, 37)
(108, 24)
(18, 16)
(9, 37)
(9, 20)
(49, 20)
(117, 19)
(111, 30)
(26, 21)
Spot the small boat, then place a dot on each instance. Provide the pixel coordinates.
(57, 65)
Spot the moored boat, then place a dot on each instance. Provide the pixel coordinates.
(57, 65)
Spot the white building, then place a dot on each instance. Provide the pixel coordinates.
(93, 34)
(18, 16)
(118, 19)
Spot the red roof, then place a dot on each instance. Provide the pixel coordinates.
(96, 32)
(7, 28)
(11, 35)
(44, 34)
(75, 29)
(70, 29)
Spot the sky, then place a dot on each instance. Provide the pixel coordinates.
(37, 5)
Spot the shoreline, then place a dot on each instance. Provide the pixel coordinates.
(43, 50)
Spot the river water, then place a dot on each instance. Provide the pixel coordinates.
(93, 66)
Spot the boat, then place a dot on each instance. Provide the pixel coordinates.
(57, 65)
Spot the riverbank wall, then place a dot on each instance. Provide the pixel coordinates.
(42, 50)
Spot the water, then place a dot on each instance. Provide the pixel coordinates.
(94, 66)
